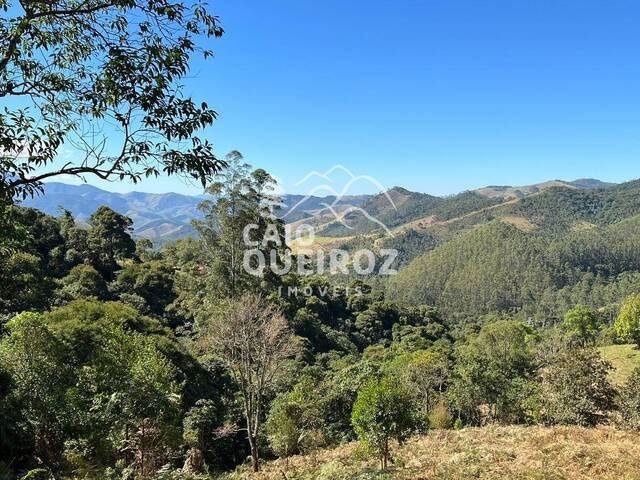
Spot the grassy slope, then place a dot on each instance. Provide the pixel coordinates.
(624, 358)
(490, 453)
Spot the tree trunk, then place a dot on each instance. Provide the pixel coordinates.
(194, 462)
(255, 460)
(385, 454)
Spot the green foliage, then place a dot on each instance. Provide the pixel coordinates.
(494, 268)
(628, 322)
(12, 233)
(630, 402)
(242, 199)
(490, 370)
(110, 68)
(284, 426)
(411, 244)
(463, 336)
(382, 412)
(109, 240)
(575, 388)
(37, 364)
(83, 281)
(581, 325)
(426, 374)
(81, 324)
(23, 285)
(152, 281)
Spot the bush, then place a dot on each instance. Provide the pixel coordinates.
(383, 411)
(575, 388)
(630, 402)
(440, 417)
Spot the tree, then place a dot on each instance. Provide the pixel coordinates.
(252, 339)
(23, 285)
(581, 325)
(83, 281)
(103, 77)
(37, 364)
(152, 281)
(284, 425)
(130, 376)
(490, 369)
(82, 324)
(104, 374)
(199, 422)
(628, 322)
(426, 374)
(575, 388)
(12, 233)
(75, 239)
(383, 411)
(243, 206)
(109, 239)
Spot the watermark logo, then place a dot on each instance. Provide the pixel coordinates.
(324, 204)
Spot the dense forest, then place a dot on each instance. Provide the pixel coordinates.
(125, 360)
(120, 360)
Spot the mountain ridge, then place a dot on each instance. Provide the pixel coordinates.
(167, 216)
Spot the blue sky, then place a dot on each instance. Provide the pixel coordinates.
(436, 96)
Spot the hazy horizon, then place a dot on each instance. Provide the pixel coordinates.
(136, 188)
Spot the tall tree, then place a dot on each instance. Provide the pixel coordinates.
(36, 362)
(109, 239)
(252, 339)
(241, 211)
(103, 77)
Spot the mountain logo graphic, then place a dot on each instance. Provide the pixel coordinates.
(328, 188)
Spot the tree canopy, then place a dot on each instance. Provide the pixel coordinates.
(104, 78)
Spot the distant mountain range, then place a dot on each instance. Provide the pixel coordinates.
(166, 216)
(160, 217)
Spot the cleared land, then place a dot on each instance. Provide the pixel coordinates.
(489, 453)
(624, 358)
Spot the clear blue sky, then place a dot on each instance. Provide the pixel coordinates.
(436, 96)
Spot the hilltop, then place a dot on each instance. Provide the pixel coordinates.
(489, 453)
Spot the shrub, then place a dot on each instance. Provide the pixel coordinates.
(383, 411)
(440, 417)
(630, 402)
(575, 388)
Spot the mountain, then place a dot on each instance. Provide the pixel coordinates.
(508, 192)
(166, 216)
(582, 244)
(398, 207)
(162, 217)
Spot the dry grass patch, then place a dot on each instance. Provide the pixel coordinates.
(491, 453)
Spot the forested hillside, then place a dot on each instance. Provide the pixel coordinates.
(370, 333)
(121, 360)
(537, 255)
